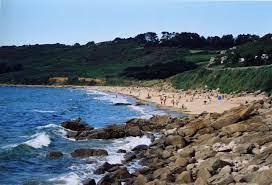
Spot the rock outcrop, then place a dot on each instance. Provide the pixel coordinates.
(134, 127)
(87, 152)
(234, 147)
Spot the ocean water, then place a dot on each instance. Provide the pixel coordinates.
(30, 127)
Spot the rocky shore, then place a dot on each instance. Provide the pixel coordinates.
(234, 147)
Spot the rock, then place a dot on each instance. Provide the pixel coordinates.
(140, 180)
(122, 173)
(263, 177)
(120, 104)
(54, 155)
(161, 173)
(237, 127)
(129, 156)
(205, 153)
(121, 151)
(227, 179)
(175, 140)
(76, 125)
(252, 168)
(243, 148)
(115, 178)
(87, 152)
(140, 148)
(203, 173)
(184, 177)
(181, 162)
(134, 131)
(138, 103)
(200, 181)
(233, 116)
(106, 167)
(165, 154)
(186, 152)
(218, 163)
(89, 182)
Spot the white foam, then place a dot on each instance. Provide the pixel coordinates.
(43, 111)
(48, 126)
(145, 112)
(67, 179)
(109, 97)
(39, 140)
(112, 98)
(90, 91)
(127, 144)
(9, 146)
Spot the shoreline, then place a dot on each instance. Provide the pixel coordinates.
(190, 102)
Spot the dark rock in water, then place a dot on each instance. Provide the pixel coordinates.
(118, 104)
(129, 156)
(76, 125)
(87, 152)
(89, 182)
(139, 103)
(134, 127)
(140, 148)
(110, 132)
(106, 167)
(134, 131)
(116, 177)
(121, 151)
(54, 155)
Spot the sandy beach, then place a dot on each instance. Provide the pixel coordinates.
(190, 102)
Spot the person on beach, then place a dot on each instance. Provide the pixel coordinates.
(164, 100)
(177, 102)
(173, 102)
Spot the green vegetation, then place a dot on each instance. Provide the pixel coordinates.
(227, 80)
(103, 60)
(145, 57)
(250, 54)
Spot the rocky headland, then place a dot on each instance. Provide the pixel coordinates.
(233, 147)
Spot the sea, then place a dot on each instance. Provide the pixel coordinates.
(30, 119)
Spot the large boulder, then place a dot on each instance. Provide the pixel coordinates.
(140, 148)
(88, 182)
(184, 178)
(106, 167)
(76, 125)
(263, 177)
(54, 155)
(116, 177)
(87, 152)
(175, 140)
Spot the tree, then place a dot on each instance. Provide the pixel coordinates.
(244, 38)
(149, 38)
(227, 41)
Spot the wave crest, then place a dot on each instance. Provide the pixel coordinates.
(39, 140)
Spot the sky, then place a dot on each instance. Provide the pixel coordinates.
(71, 21)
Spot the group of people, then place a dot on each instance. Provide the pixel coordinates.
(175, 99)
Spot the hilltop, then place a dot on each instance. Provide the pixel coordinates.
(187, 60)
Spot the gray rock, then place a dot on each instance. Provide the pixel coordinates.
(87, 152)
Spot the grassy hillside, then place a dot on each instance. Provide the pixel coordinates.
(255, 53)
(227, 80)
(38, 63)
(130, 61)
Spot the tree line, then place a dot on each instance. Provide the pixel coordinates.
(194, 40)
